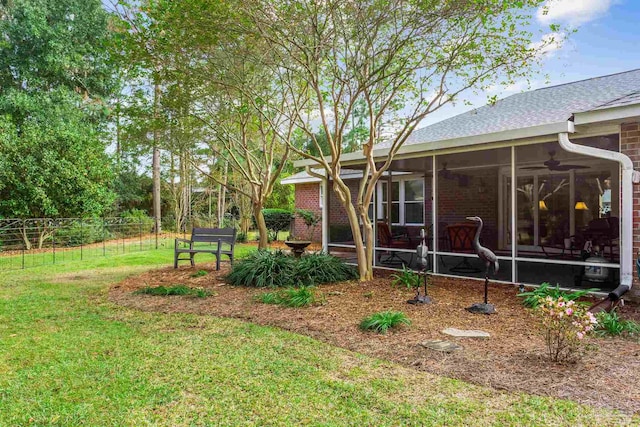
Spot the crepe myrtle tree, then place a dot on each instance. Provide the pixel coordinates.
(403, 59)
(250, 128)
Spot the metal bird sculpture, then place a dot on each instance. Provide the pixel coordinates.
(485, 254)
(490, 259)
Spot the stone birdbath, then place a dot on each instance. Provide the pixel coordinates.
(297, 246)
(311, 220)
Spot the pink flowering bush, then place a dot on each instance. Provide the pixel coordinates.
(565, 325)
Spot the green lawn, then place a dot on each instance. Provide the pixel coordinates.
(69, 357)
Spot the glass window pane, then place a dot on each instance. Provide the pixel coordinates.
(525, 210)
(413, 190)
(554, 220)
(395, 213)
(413, 213)
(395, 188)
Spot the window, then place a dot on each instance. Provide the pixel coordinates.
(407, 201)
(414, 201)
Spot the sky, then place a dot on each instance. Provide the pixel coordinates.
(607, 41)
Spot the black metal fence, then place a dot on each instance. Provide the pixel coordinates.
(35, 242)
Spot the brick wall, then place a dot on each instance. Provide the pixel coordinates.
(307, 197)
(630, 145)
(460, 199)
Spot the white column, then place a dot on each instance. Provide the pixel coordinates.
(325, 214)
(514, 230)
(434, 212)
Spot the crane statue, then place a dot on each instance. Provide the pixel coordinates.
(423, 252)
(490, 260)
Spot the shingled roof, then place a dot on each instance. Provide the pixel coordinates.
(549, 105)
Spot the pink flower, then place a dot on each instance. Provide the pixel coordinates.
(580, 335)
(569, 311)
(561, 304)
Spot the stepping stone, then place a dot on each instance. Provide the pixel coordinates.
(441, 345)
(466, 333)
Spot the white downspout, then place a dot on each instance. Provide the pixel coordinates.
(629, 176)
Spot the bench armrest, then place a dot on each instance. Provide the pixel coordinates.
(186, 241)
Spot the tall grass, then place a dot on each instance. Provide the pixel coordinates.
(276, 269)
(263, 269)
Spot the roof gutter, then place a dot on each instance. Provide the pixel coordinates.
(629, 176)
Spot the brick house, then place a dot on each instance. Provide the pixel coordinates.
(550, 172)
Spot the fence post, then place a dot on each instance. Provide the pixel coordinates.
(24, 244)
(156, 233)
(53, 243)
(81, 239)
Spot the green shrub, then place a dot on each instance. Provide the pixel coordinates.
(199, 273)
(317, 268)
(241, 237)
(407, 278)
(262, 269)
(265, 268)
(311, 221)
(277, 220)
(532, 299)
(302, 296)
(174, 290)
(136, 222)
(81, 233)
(612, 324)
(381, 322)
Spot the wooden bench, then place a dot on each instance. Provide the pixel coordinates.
(217, 239)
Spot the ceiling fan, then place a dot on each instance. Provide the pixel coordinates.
(463, 180)
(554, 165)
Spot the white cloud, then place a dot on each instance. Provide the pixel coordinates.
(548, 44)
(572, 12)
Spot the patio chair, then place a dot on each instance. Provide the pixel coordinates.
(461, 241)
(603, 232)
(398, 241)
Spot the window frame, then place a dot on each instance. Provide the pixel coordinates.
(401, 199)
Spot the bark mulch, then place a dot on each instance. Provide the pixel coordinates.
(511, 359)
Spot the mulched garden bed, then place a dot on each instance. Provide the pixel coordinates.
(511, 359)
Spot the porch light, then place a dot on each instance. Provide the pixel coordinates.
(581, 206)
(542, 205)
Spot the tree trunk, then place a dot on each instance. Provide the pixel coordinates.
(262, 227)
(365, 267)
(25, 237)
(222, 196)
(157, 213)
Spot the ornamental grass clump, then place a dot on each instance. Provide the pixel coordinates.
(383, 321)
(265, 268)
(610, 324)
(302, 296)
(565, 325)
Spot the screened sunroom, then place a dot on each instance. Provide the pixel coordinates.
(547, 213)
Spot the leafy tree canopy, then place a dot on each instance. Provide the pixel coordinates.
(54, 73)
(55, 164)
